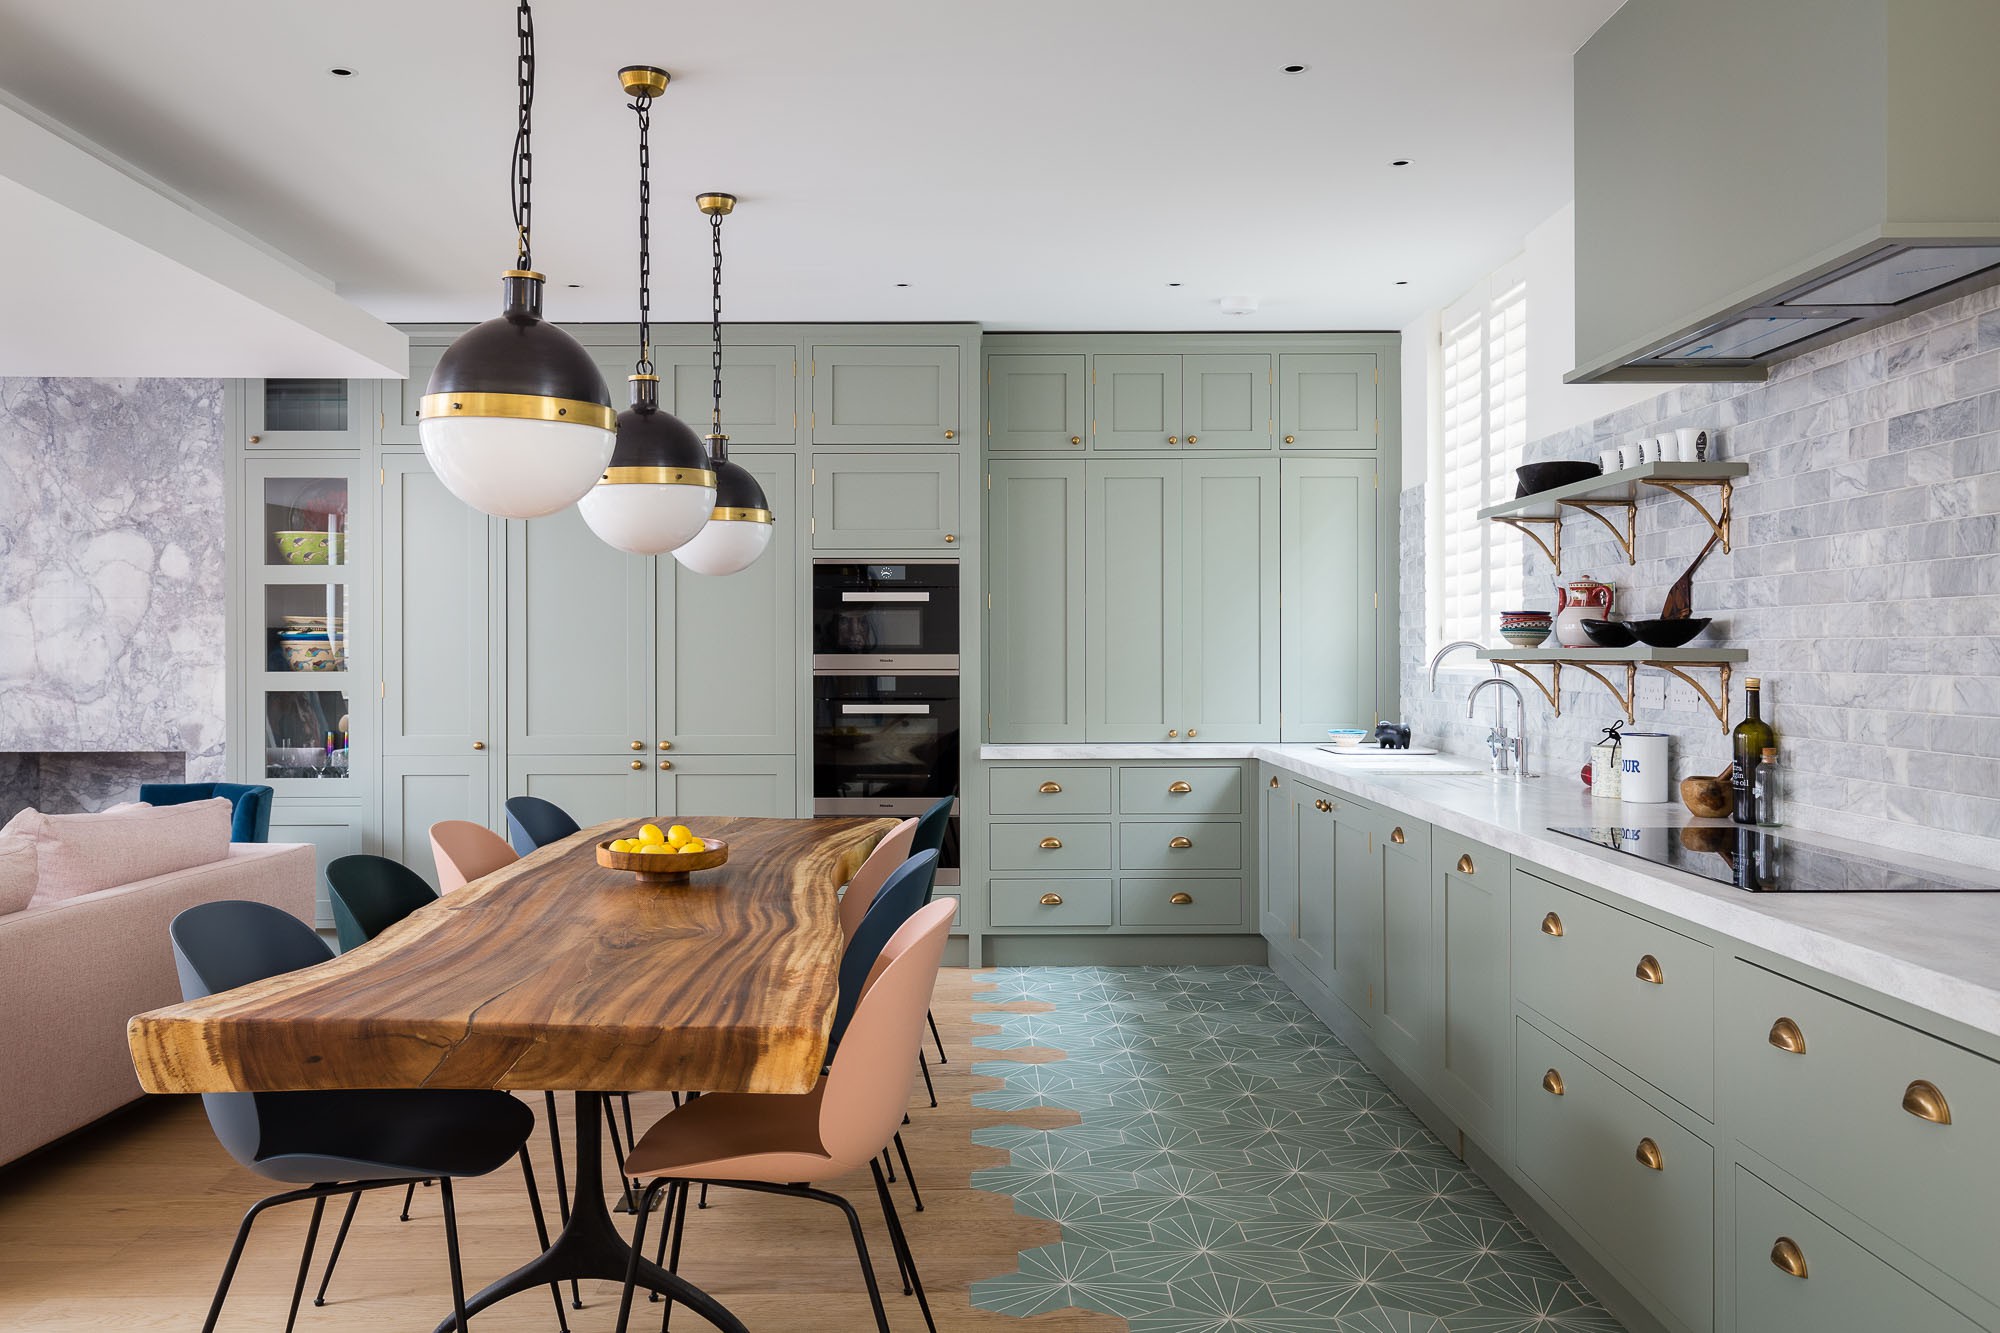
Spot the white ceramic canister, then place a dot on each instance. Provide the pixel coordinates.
(1644, 775)
(1607, 782)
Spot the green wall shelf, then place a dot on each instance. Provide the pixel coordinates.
(1613, 500)
(1679, 663)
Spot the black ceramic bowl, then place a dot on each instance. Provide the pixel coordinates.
(1668, 633)
(1539, 477)
(1608, 633)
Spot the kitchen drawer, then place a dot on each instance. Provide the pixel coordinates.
(1588, 978)
(1026, 791)
(1212, 789)
(1835, 1116)
(1155, 902)
(1405, 836)
(1454, 853)
(1583, 1147)
(1844, 1288)
(1213, 844)
(1049, 845)
(1049, 902)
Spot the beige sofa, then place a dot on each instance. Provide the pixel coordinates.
(73, 972)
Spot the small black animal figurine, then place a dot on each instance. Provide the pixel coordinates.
(1391, 736)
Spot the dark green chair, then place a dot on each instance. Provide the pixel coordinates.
(371, 894)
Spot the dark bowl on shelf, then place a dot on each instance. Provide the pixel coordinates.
(1668, 633)
(1539, 477)
(1608, 633)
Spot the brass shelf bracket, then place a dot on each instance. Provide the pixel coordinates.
(1718, 522)
(1552, 548)
(1630, 693)
(1551, 689)
(1624, 537)
(1718, 703)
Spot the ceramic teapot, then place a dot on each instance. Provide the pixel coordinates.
(1584, 599)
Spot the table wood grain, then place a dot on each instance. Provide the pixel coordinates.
(554, 973)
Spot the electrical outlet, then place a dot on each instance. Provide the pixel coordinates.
(1652, 693)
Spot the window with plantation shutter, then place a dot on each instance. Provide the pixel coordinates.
(1475, 565)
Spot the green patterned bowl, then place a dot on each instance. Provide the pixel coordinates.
(310, 548)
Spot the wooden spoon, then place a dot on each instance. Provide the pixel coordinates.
(1680, 599)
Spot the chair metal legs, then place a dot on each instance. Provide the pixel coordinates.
(340, 1239)
(318, 1193)
(409, 1197)
(306, 1258)
(901, 1242)
(909, 1176)
(929, 1087)
(451, 1252)
(943, 1059)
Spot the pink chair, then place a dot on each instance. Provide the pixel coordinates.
(892, 851)
(773, 1142)
(465, 851)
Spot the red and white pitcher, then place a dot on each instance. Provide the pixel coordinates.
(1585, 599)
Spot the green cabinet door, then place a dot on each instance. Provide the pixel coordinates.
(1037, 403)
(1229, 586)
(1328, 635)
(396, 400)
(333, 830)
(884, 395)
(1315, 840)
(1136, 401)
(1035, 628)
(1279, 877)
(436, 621)
(421, 790)
(591, 787)
(1470, 911)
(1133, 570)
(885, 502)
(1406, 1021)
(308, 414)
(1328, 400)
(758, 391)
(1357, 910)
(1226, 401)
(729, 787)
(728, 664)
(579, 642)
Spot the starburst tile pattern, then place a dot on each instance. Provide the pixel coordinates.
(1237, 1170)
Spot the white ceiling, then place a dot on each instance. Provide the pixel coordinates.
(1028, 164)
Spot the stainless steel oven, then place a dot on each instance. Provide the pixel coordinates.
(887, 744)
(870, 616)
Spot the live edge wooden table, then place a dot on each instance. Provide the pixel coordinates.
(557, 973)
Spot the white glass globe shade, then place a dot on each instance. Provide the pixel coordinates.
(646, 517)
(725, 546)
(513, 467)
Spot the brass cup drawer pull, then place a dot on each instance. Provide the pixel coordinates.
(1181, 899)
(1052, 844)
(1050, 788)
(1552, 925)
(1180, 844)
(1552, 1083)
(1786, 1036)
(1649, 1156)
(1274, 784)
(1396, 835)
(1052, 900)
(1786, 1256)
(1923, 1100)
(1649, 971)
(1179, 788)
(1465, 863)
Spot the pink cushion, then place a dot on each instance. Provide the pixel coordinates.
(78, 854)
(17, 873)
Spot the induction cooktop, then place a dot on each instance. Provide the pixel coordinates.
(1761, 861)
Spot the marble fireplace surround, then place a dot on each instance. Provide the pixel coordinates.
(79, 782)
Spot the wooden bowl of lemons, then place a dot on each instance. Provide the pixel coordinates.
(662, 856)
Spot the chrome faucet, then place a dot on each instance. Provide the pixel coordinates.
(1453, 647)
(1503, 746)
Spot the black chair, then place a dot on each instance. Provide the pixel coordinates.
(337, 1142)
(371, 894)
(932, 825)
(533, 822)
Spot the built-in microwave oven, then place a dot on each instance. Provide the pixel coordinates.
(901, 616)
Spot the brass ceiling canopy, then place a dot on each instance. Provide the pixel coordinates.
(643, 80)
(715, 203)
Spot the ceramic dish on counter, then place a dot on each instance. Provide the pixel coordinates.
(1526, 629)
(1347, 738)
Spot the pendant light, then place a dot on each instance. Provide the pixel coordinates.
(658, 491)
(516, 420)
(741, 526)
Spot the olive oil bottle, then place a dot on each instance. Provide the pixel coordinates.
(1747, 745)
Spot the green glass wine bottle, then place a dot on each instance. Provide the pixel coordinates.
(1746, 747)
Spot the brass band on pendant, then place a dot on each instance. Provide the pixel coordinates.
(723, 515)
(525, 273)
(658, 476)
(526, 407)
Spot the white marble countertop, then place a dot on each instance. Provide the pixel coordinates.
(1938, 951)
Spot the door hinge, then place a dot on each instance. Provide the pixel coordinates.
(989, 601)
(1378, 374)
(989, 428)
(381, 689)
(812, 476)
(1378, 425)
(381, 476)
(795, 369)
(989, 481)
(795, 415)
(812, 368)
(812, 526)
(1378, 601)
(1378, 481)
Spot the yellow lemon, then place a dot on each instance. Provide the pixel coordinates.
(656, 849)
(651, 833)
(621, 845)
(694, 845)
(679, 834)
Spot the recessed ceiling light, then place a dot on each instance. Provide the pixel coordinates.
(1295, 69)
(1173, 284)
(1400, 162)
(341, 72)
(902, 284)
(1402, 282)
(575, 284)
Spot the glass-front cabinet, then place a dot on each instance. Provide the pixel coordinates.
(308, 414)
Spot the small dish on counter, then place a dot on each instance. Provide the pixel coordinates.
(1526, 629)
(1668, 633)
(1347, 738)
(1609, 633)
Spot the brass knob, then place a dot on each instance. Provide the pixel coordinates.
(951, 435)
(1649, 1156)
(1173, 439)
(1052, 900)
(1193, 438)
(1180, 844)
(1396, 835)
(1274, 784)
(950, 538)
(1179, 788)
(1173, 733)
(1325, 806)
(479, 745)
(1291, 439)
(1923, 1100)
(1465, 863)
(1190, 729)
(666, 764)
(638, 764)
(666, 745)
(638, 745)
(1786, 1036)
(1076, 439)
(1181, 899)
(1050, 788)
(1786, 1255)
(256, 439)
(1552, 925)
(1552, 1083)
(1051, 844)
(1649, 971)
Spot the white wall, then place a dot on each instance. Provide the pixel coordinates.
(1553, 405)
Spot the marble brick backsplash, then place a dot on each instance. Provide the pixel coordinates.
(112, 578)
(1864, 581)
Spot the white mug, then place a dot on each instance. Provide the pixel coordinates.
(1697, 444)
(1608, 460)
(1649, 450)
(1670, 449)
(1643, 759)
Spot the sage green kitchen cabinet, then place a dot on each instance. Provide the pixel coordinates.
(884, 395)
(728, 664)
(591, 787)
(1470, 906)
(421, 790)
(1406, 1013)
(1133, 569)
(1280, 896)
(579, 643)
(1035, 628)
(728, 786)
(437, 669)
(1037, 403)
(333, 830)
(1328, 632)
(1229, 650)
(1328, 400)
(1315, 838)
(1136, 401)
(899, 501)
(308, 414)
(397, 400)
(1357, 909)
(759, 404)
(1226, 401)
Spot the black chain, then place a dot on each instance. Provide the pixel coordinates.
(715, 319)
(524, 157)
(644, 106)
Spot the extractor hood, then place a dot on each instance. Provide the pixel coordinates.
(1756, 178)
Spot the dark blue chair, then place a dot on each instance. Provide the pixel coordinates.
(907, 889)
(533, 822)
(334, 1143)
(252, 819)
(932, 825)
(371, 894)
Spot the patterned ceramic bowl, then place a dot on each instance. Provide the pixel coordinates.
(311, 655)
(310, 548)
(1525, 629)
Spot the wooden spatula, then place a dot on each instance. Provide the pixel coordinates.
(1680, 601)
